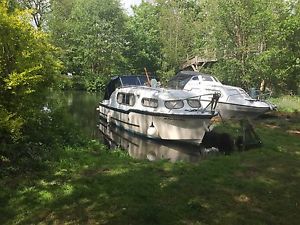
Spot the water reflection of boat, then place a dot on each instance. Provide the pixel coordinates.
(234, 102)
(143, 148)
(155, 112)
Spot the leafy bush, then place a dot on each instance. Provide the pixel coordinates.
(64, 82)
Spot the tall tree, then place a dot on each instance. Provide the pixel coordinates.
(92, 38)
(279, 64)
(27, 67)
(248, 36)
(39, 9)
(143, 39)
(179, 24)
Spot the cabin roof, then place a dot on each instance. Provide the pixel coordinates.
(182, 78)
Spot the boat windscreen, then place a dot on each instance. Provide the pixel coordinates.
(133, 80)
(121, 81)
(244, 93)
(179, 81)
(232, 92)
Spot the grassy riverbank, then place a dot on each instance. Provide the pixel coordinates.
(90, 185)
(287, 103)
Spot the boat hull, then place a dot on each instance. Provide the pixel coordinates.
(185, 128)
(238, 111)
(230, 111)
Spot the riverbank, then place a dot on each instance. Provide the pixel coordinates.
(91, 185)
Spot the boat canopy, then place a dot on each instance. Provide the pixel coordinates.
(122, 81)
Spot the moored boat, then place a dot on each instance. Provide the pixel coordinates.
(155, 112)
(234, 102)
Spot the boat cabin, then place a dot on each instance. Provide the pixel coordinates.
(189, 79)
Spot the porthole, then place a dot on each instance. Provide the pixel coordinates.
(126, 99)
(194, 103)
(150, 102)
(174, 104)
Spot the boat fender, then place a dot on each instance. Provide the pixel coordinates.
(152, 131)
(206, 127)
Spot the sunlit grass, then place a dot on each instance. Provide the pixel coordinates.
(91, 185)
(287, 103)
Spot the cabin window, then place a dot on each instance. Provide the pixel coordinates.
(126, 99)
(174, 104)
(194, 103)
(150, 102)
(206, 78)
(232, 92)
(195, 78)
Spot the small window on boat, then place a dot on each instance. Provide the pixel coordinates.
(150, 102)
(126, 99)
(195, 78)
(174, 104)
(194, 103)
(232, 92)
(206, 78)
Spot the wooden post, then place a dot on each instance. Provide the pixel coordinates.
(148, 79)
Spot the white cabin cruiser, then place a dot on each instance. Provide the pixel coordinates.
(155, 112)
(234, 102)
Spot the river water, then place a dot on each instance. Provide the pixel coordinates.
(82, 108)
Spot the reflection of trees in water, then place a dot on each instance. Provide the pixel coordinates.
(81, 106)
(83, 110)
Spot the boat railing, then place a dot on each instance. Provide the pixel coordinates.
(212, 104)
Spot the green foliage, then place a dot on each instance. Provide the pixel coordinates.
(90, 34)
(10, 126)
(63, 82)
(38, 10)
(144, 46)
(27, 69)
(287, 103)
(254, 41)
(95, 83)
(251, 52)
(179, 38)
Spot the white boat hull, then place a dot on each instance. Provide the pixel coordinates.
(237, 111)
(233, 103)
(186, 128)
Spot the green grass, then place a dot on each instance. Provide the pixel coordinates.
(94, 186)
(287, 103)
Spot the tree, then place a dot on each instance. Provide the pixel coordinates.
(38, 9)
(179, 32)
(92, 37)
(280, 62)
(250, 37)
(143, 48)
(27, 67)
